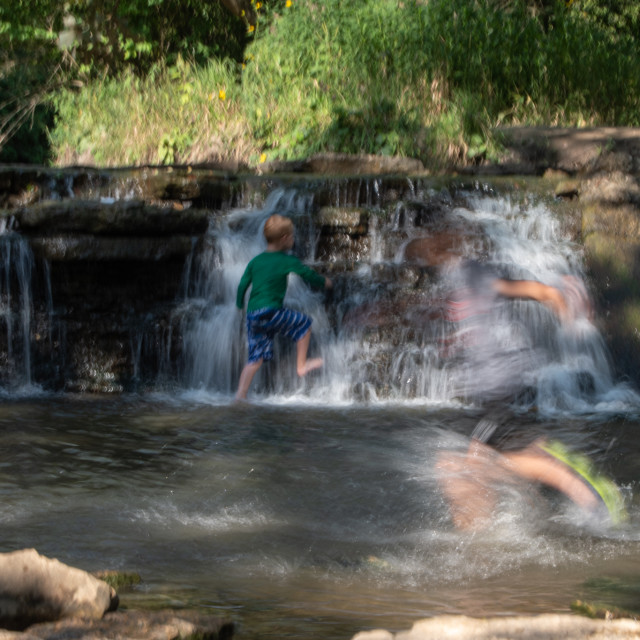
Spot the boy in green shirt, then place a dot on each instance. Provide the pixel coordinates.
(267, 274)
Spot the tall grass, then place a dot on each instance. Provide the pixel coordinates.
(416, 78)
(180, 114)
(424, 78)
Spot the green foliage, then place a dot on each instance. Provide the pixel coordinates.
(46, 45)
(144, 79)
(147, 31)
(168, 116)
(620, 17)
(369, 76)
(28, 63)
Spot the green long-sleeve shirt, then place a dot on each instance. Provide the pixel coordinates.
(267, 275)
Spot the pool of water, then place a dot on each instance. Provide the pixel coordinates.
(298, 520)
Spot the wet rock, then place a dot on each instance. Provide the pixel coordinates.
(613, 188)
(120, 217)
(611, 238)
(66, 248)
(343, 249)
(351, 220)
(136, 625)
(614, 267)
(340, 164)
(204, 187)
(432, 250)
(418, 214)
(621, 220)
(35, 589)
(567, 189)
(543, 627)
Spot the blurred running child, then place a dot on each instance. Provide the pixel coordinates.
(495, 361)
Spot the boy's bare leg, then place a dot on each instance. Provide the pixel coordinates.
(248, 372)
(303, 365)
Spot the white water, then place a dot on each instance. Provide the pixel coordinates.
(16, 264)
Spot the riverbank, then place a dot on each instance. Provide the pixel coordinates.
(526, 151)
(44, 599)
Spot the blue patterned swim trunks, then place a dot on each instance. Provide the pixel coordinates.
(263, 324)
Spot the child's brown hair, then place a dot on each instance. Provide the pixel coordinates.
(277, 227)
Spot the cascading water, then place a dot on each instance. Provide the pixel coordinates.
(377, 345)
(16, 308)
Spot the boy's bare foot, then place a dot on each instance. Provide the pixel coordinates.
(310, 365)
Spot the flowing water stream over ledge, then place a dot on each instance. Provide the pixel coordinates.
(314, 510)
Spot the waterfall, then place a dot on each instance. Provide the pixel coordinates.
(16, 309)
(382, 331)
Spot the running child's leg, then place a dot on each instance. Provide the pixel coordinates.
(466, 481)
(533, 464)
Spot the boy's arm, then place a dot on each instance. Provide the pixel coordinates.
(311, 277)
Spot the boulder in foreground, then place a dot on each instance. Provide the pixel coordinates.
(38, 589)
(542, 627)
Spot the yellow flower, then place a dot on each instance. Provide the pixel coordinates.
(288, 3)
(258, 5)
(222, 94)
(251, 28)
(263, 158)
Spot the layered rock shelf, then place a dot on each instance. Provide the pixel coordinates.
(110, 248)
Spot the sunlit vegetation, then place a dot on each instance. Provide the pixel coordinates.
(168, 81)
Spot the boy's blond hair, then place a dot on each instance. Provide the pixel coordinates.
(277, 227)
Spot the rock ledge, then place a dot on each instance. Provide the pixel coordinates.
(542, 627)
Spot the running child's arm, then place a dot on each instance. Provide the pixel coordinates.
(533, 290)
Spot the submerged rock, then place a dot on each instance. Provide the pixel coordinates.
(136, 625)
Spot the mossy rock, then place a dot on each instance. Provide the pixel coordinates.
(614, 266)
(119, 579)
(622, 221)
(614, 263)
(600, 611)
(351, 220)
